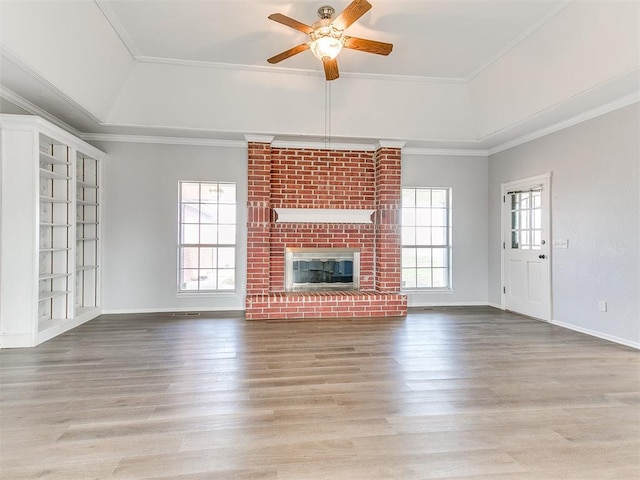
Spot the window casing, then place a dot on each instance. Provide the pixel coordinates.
(207, 237)
(426, 238)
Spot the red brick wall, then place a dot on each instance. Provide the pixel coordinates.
(326, 305)
(322, 179)
(312, 178)
(388, 186)
(258, 218)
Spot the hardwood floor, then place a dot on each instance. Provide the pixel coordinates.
(457, 393)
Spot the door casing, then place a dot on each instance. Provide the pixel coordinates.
(545, 181)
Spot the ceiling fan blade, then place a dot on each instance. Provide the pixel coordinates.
(330, 68)
(369, 46)
(353, 12)
(290, 22)
(289, 53)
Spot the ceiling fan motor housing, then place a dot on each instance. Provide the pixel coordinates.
(326, 12)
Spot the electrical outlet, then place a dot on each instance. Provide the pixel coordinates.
(602, 306)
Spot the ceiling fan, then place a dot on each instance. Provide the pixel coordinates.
(327, 36)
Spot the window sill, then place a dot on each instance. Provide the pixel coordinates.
(226, 293)
(437, 291)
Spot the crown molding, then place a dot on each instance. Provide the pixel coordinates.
(29, 70)
(117, 26)
(390, 144)
(26, 105)
(19, 122)
(152, 139)
(259, 138)
(570, 122)
(295, 71)
(447, 152)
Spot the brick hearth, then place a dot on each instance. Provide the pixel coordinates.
(325, 179)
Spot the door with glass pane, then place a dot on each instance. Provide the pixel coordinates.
(526, 262)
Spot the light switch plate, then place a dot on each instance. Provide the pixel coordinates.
(564, 243)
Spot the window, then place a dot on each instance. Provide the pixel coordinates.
(426, 238)
(207, 251)
(526, 219)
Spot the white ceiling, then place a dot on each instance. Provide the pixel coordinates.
(436, 38)
(474, 75)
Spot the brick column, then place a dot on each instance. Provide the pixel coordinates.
(388, 180)
(258, 214)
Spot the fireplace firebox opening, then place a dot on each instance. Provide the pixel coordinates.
(322, 269)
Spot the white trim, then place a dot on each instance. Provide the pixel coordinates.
(519, 39)
(65, 326)
(451, 152)
(207, 294)
(535, 179)
(447, 304)
(204, 142)
(29, 70)
(16, 340)
(545, 180)
(259, 138)
(171, 310)
(315, 145)
(118, 27)
(495, 305)
(390, 144)
(594, 333)
(11, 121)
(569, 122)
(179, 62)
(322, 215)
(427, 291)
(25, 104)
(296, 71)
(321, 145)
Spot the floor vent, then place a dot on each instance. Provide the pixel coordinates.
(186, 314)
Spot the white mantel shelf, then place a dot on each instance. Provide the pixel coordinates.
(323, 215)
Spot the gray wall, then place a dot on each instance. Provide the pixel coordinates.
(468, 179)
(595, 204)
(140, 218)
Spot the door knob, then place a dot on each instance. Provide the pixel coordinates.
(542, 256)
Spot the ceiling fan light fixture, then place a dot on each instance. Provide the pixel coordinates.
(326, 42)
(327, 37)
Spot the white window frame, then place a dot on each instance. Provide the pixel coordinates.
(203, 246)
(446, 244)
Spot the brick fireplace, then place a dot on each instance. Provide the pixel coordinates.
(320, 190)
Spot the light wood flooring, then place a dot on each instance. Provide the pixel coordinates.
(457, 393)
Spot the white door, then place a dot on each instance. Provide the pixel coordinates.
(526, 263)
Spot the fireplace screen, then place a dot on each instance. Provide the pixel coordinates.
(317, 269)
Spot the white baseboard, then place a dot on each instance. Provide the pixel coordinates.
(495, 305)
(170, 310)
(594, 333)
(448, 304)
(16, 340)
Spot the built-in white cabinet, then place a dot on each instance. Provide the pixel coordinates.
(49, 231)
(87, 234)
